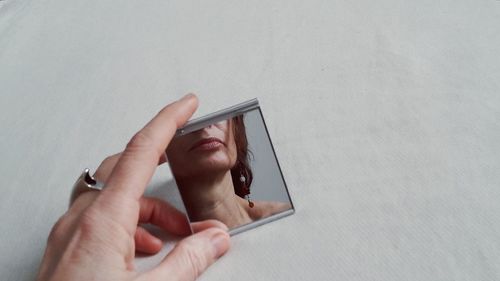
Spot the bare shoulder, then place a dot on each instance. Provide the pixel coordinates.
(264, 209)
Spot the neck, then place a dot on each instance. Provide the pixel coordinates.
(213, 197)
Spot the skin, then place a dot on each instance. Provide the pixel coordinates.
(203, 175)
(97, 238)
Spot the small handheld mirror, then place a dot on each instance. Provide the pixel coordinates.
(226, 169)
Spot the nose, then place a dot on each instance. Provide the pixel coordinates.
(207, 128)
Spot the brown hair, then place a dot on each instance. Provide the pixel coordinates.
(242, 166)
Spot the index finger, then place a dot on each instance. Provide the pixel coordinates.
(140, 158)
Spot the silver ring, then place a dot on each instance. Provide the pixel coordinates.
(84, 183)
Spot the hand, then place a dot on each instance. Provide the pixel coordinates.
(94, 240)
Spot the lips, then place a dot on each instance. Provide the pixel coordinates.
(207, 144)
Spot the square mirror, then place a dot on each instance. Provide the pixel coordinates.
(225, 168)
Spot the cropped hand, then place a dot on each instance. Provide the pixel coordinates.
(98, 236)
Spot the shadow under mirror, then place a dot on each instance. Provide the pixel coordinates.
(228, 171)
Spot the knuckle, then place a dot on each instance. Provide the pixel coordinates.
(95, 227)
(107, 160)
(105, 167)
(165, 109)
(143, 142)
(57, 231)
(140, 140)
(87, 225)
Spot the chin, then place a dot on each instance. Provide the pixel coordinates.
(215, 164)
(212, 163)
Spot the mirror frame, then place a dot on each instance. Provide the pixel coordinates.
(224, 114)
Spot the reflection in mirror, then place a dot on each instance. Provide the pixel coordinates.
(228, 171)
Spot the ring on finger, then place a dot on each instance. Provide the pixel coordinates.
(84, 183)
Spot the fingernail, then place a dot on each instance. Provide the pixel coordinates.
(220, 225)
(186, 97)
(157, 241)
(220, 242)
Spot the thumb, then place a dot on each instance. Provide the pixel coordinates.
(191, 256)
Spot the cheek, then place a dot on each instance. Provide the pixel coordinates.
(176, 155)
(177, 163)
(232, 153)
(222, 125)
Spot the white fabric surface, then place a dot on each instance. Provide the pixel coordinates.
(385, 116)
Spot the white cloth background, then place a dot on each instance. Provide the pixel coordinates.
(385, 116)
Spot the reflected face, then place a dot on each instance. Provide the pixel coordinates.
(208, 150)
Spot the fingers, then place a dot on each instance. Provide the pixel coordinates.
(160, 213)
(163, 215)
(202, 225)
(106, 167)
(146, 242)
(104, 170)
(192, 256)
(163, 158)
(138, 161)
(82, 202)
(119, 201)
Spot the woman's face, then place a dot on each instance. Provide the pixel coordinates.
(208, 150)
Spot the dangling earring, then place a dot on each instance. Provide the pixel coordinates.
(246, 190)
